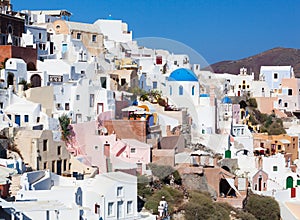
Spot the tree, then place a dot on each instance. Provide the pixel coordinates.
(252, 102)
(64, 122)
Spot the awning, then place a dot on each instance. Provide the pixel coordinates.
(259, 148)
(231, 183)
(132, 109)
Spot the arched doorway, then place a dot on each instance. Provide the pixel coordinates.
(226, 168)
(289, 182)
(225, 189)
(10, 79)
(36, 80)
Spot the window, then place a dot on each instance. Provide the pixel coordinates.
(275, 168)
(290, 92)
(279, 147)
(1, 105)
(154, 85)
(78, 36)
(45, 145)
(159, 60)
(123, 81)
(67, 106)
(9, 116)
(285, 104)
(58, 150)
(129, 207)
(53, 166)
(170, 88)
(45, 165)
(110, 210)
(193, 90)
(92, 99)
(120, 191)
(103, 82)
(65, 164)
(58, 106)
(132, 150)
(77, 97)
(275, 76)
(96, 147)
(97, 209)
(58, 26)
(26, 118)
(94, 38)
(180, 90)
(40, 35)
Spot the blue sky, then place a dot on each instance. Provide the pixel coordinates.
(217, 29)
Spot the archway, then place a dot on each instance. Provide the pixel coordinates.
(226, 168)
(289, 182)
(225, 189)
(36, 80)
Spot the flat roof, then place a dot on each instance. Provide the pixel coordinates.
(35, 205)
(57, 13)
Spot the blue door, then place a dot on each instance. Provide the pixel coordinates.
(18, 119)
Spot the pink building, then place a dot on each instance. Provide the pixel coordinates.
(106, 152)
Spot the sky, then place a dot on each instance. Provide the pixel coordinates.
(216, 30)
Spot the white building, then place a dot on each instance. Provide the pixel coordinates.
(44, 194)
(274, 74)
(115, 30)
(15, 72)
(82, 100)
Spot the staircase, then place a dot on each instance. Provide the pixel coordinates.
(15, 185)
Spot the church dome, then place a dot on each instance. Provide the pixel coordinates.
(226, 100)
(183, 74)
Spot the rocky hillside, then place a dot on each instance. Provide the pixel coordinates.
(275, 57)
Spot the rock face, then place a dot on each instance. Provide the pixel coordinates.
(275, 57)
(197, 182)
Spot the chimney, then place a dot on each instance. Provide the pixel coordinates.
(107, 149)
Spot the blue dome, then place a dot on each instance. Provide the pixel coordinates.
(183, 74)
(226, 100)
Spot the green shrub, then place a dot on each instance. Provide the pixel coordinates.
(262, 207)
(144, 189)
(174, 198)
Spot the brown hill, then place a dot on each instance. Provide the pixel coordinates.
(275, 57)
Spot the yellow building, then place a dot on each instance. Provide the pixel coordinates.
(89, 34)
(274, 144)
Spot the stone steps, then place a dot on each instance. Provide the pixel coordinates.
(15, 184)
